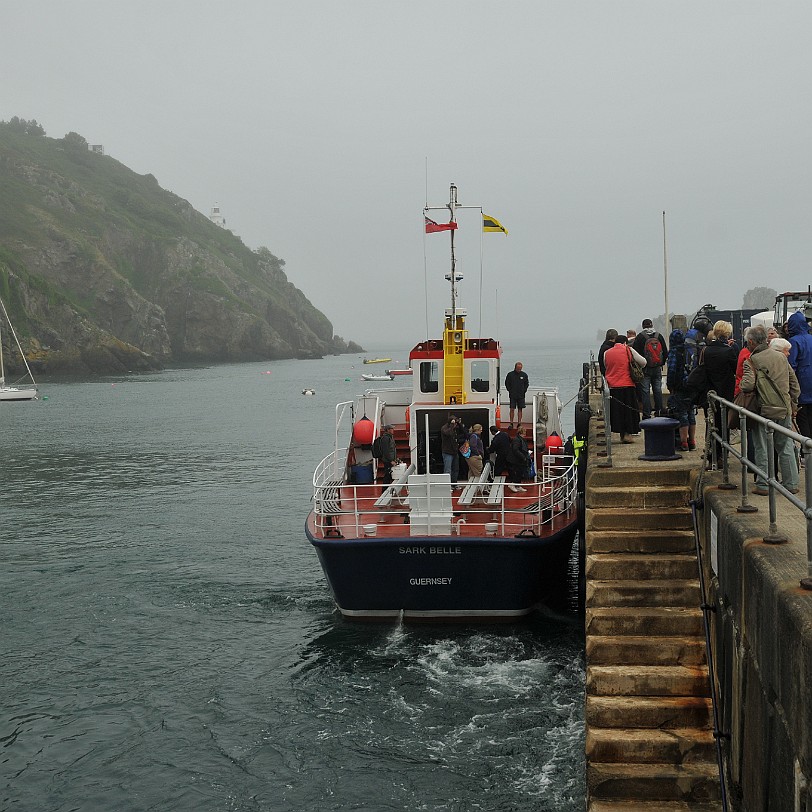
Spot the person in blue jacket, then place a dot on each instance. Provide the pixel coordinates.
(800, 359)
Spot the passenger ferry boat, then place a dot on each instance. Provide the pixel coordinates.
(419, 549)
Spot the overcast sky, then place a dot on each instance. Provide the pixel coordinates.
(574, 123)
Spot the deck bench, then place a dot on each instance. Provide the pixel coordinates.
(497, 490)
(472, 489)
(394, 489)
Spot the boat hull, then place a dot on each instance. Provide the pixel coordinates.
(445, 578)
(10, 393)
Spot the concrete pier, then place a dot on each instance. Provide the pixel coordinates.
(649, 740)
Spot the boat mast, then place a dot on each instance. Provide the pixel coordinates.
(452, 207)
(19, 347)
(455, 336)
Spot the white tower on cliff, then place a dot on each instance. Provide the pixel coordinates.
(216, 217)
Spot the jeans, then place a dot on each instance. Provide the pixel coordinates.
(451, 465)
(652, 382)
(784, 448)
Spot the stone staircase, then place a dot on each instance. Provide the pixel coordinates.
(649, 741)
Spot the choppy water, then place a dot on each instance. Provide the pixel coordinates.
(169, 642)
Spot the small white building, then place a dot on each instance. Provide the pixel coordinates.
(216, 217)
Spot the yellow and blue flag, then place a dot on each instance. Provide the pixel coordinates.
(492, 224)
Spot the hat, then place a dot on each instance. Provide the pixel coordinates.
(388, 426)
(647, 323)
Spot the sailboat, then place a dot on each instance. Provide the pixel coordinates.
(10, 393)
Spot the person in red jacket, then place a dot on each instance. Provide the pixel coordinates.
(624, 414)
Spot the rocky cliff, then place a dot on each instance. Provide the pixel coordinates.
(102, 270)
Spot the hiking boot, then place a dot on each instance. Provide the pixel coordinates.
(759, 491)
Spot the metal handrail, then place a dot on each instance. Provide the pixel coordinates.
(718, 734)
(774, 536)
(555, 493)
(607, 427)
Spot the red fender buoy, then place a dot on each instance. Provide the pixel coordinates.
(363, 432)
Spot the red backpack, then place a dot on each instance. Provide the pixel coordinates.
(654, 352)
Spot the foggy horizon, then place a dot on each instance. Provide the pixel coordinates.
(321, 131)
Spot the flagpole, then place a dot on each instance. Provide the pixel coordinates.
(665, 279)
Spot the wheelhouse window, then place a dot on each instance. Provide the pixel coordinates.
(480, 375)
(429, 376)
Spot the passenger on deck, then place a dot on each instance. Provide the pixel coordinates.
(519, 461)
(451, 448)
(516, 383)
(476, 460)
(498, 450)
(385, 450)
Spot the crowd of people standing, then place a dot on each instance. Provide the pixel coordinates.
(777, 367)
(465, 452)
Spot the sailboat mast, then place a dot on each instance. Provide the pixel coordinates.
(19, 347)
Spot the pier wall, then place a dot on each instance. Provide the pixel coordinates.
(762, 635)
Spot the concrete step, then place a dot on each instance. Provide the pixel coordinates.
(666, 712)
(649, 650)
(650, 746)
(646, 540)
(643, 593)
(624, 518)
(647, 680)
(644, 476)
(640, 496)
(654, 806)
(641, 566)
(681, 621)
(653, 782)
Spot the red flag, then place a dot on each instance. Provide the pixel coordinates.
(432, 227)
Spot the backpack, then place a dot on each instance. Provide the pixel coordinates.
(676, 375)
(377, 447)
(653, 351)
(694, 342)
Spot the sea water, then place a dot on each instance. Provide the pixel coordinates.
(169, 641)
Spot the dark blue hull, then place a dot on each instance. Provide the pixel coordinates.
(444, 578)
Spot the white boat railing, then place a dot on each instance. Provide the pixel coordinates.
(554, 493)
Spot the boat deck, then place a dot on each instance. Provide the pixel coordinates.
(350, 512)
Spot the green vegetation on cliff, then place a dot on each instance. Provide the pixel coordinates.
(102, 269)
